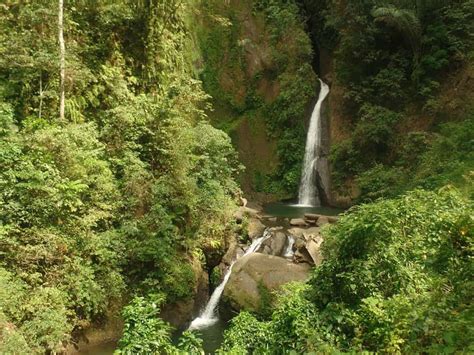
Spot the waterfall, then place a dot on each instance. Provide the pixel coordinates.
(308, 194)
(288, 253)
(209, 316)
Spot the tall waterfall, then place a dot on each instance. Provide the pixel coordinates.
(209, 316)
(308, 194)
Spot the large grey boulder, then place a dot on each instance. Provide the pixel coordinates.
(275, 245)
(254, 271)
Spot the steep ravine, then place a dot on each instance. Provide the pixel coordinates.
(259, 73)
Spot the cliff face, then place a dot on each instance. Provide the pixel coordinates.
(454, 106)
(257, 68)
(257, 64)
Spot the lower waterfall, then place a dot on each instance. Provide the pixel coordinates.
(209, 315)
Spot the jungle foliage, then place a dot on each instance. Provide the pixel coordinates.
(125, 194)
(396, 279)
(259, 69)
(393, 60)
(115, 206)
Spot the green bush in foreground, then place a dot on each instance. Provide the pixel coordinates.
(397, 278)
(146, 333)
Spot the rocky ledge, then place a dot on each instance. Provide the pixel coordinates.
(291, 248)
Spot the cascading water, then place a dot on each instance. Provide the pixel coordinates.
(288, 253)
(308, 194)
(209, 316)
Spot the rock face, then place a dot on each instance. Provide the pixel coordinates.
(313, 246)
(275, 245)
(253, 271)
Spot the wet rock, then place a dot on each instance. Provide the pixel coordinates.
(254, 270)
(311, 222)
(311, 217)
(298, 222)
(278, 242)
(233, 252)
(300, 242)
(274, 245)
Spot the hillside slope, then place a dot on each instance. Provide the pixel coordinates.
(257, 68)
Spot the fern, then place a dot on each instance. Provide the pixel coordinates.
(403, 20)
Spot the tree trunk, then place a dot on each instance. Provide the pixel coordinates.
(40, 94)
(62, 65)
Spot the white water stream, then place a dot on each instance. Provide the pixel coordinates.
(209, 315)
(288, 253)
(308, 194)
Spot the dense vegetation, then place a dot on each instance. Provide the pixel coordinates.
(401, 66)
(257, 68)
(397, 279)
(123, 195)
(118, 205)
(397, 274)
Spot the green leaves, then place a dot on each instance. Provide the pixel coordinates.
(396, 278)
(145, 333)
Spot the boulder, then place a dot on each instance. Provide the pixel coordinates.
(311, 231)
(300, 242)
(332, 219)
(255, 228)
(314, 250)
(311, 216)
(233, 252)
(296, 232)
(245, 212)
(298, 222)
(278, 241)
(255, 270)
(311, 222)
(307, 247)
(322, 220)
(274, 245)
